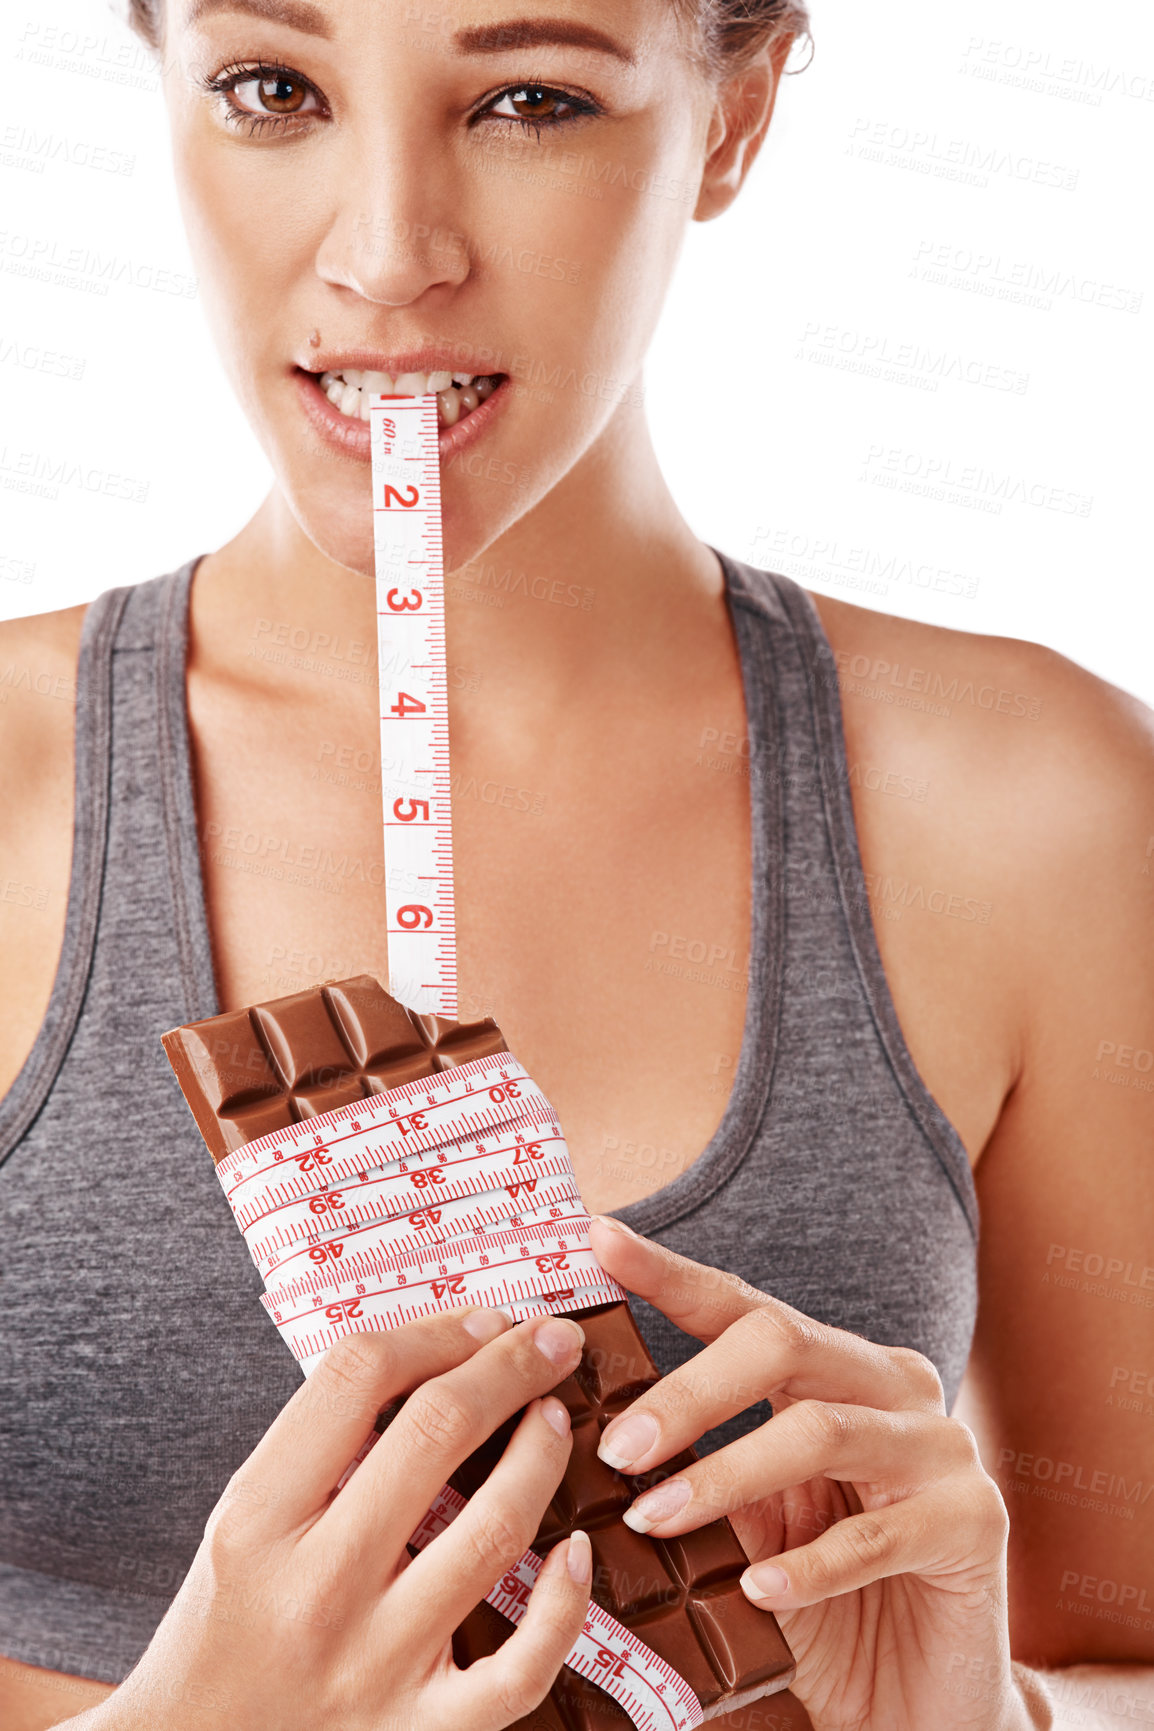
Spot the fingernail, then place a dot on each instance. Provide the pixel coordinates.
(559, 1339)
(579, 1557)
(487, 1324)
(614, 1225)
(658, 1505)
(556, 1414)
(627, 1440)
(764, 1581)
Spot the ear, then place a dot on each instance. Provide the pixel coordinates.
(740, 120)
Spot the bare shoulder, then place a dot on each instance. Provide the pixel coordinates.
(1038, 797)
(38, 657)
(1037, 751)
(38, 660)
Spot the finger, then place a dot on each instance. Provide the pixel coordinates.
(502, 1687)
(448, 1577)
(760, 1349)
(441, 1423)
(894, 1455)
(959, 1528)
(288, 1479)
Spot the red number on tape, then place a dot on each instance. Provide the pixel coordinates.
(406, 705)
(455, 1285)
(321, 1204)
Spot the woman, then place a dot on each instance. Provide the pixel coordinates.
(807, 1080)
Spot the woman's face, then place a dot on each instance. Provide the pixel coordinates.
(486, 187)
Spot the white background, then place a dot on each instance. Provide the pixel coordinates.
(951, 202)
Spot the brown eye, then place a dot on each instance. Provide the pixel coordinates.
(536, 103)
(536, 107)
(279, 95)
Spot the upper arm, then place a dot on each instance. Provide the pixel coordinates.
(38, 657)
(1061, 1380)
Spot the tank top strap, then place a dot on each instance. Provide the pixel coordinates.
(134, 826)
(821, 865)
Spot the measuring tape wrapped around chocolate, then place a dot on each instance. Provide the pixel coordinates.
(385, 1164)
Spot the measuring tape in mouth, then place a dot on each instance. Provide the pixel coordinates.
(415, 777)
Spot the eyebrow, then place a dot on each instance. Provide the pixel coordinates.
(539, 33)
(479, 39)
(297, 14)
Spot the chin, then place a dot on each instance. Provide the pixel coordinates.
(335, 513)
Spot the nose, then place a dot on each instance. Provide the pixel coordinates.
(392, 236)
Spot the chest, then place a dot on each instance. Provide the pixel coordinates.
(603, 905)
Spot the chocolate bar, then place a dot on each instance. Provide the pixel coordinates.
(250, 1071)
(247, 1072)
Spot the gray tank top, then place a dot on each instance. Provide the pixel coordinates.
(833, 1181)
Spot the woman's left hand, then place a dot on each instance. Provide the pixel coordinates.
(875, 1535)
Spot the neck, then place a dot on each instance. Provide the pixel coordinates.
(596, 582)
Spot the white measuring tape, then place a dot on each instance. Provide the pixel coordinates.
(414, 702)
(458, 1188)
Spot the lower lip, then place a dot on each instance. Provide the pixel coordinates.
(351, 438)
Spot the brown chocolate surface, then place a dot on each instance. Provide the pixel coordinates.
(680, 1596)
(246, 1072)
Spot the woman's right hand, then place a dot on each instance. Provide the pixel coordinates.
(302, 1607)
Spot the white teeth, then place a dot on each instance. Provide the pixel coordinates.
(457, 393)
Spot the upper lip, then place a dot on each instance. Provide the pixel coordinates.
(432, 359)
